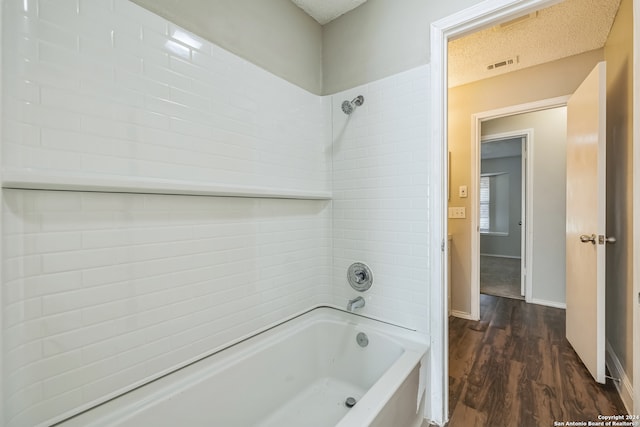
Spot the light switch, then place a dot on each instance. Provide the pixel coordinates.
(457, 213)
(462, 191)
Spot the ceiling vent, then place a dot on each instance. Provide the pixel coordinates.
(516, 21)
(504, 63)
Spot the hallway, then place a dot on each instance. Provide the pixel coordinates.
(514, 367)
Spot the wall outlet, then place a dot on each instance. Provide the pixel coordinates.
(462, 191)
(457, 213)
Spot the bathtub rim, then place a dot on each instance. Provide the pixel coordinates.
(412, 341)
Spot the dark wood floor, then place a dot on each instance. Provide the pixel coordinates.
(514, 367)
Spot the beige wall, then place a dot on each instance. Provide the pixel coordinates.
(619, 297)
(379, 39)
(273, 34)
(545, 81)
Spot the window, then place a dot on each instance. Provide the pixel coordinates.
(494, 204)
(485, 201)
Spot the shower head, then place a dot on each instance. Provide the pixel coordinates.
(349, 106)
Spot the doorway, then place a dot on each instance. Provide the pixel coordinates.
(460, 24)
(542, 124)
(502, 220)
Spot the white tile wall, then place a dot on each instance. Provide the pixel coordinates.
(380, 194)
(101, 291)
(104, 290)
(106, 87)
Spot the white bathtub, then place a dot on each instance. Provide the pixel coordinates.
(297, 374)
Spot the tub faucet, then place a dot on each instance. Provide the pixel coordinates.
(355, 303)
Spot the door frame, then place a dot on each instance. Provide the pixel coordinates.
(636, 207)
(477, 17)
(476, 125)
(526, 201)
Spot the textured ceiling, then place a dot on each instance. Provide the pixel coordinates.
(325, 11)
(565, 29)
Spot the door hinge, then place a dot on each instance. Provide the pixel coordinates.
(442, 246)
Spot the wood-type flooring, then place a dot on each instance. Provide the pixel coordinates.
(514, 367)
(500, 276)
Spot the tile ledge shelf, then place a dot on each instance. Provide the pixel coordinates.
(39, 180)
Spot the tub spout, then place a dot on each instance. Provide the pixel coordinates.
(355, 303)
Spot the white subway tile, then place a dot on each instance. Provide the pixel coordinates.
(63, 343)
(388, 192)
(78, 67)
(213, 64)
(103, 312)
(57, 324)
(164, 75)
(23, 91)
(19, 8)
(47, 117)
(45, 74)
(51, 407)
(98, 45)
(141, 84)
(117, 381)
(189, 39)
(95, 9)
(57, 11)
(76, 221)
(130, 11)
(189, 100)
(101, 274)
(23, 355)
(20, 400)
(105, 165)
(153, 40)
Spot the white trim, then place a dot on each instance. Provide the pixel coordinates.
(462, 315)
(528, 107)
(2, 396)
(479, 16)
(501, 256)
(527, 216)
(625, 390)
(527, 201)
(636, 207)
(436, 406)
(546, 303)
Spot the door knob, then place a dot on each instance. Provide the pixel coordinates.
(602, 240)
(586, 238)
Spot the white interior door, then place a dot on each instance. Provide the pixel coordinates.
(586, 149)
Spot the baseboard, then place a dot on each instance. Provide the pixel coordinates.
(624, 386)
(462, 315)
(553, 304)
(501, 256)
